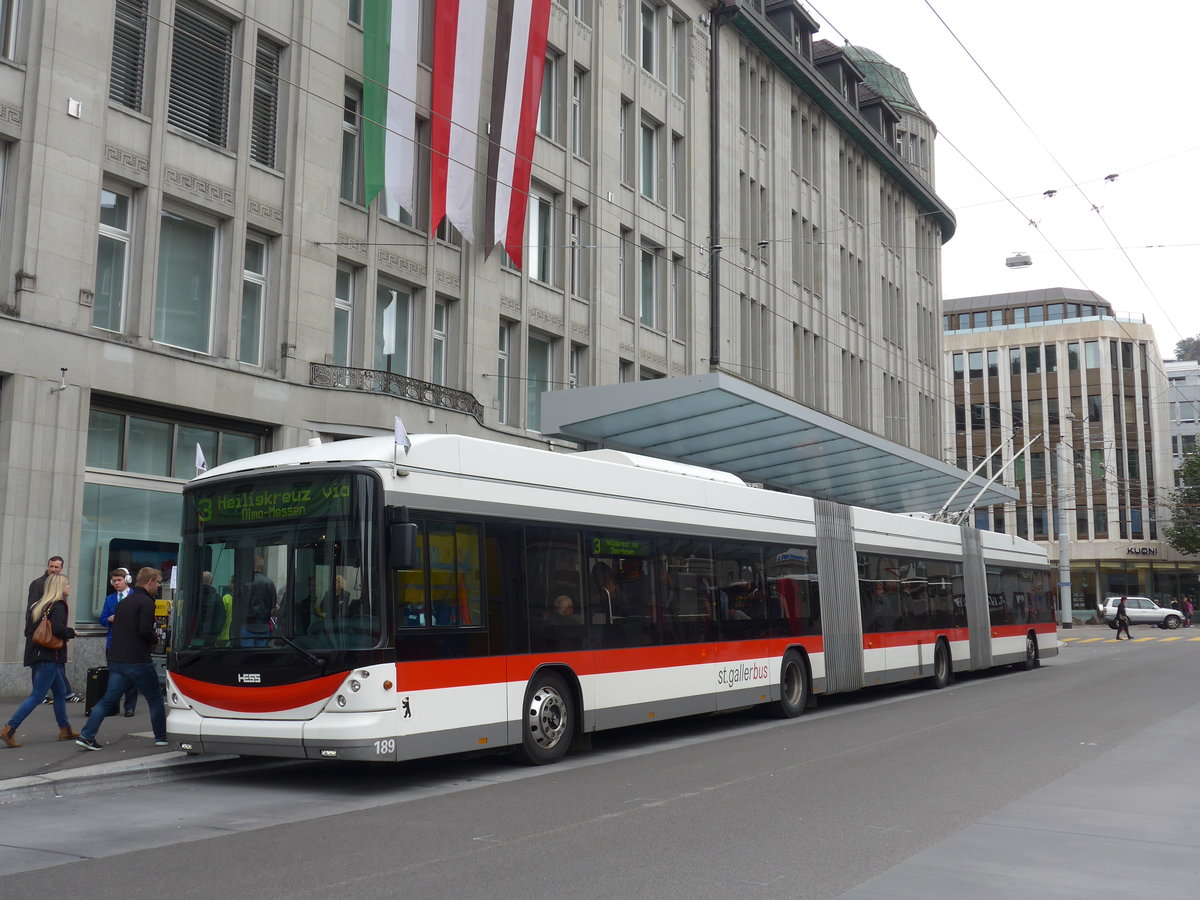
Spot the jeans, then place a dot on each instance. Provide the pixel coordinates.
(47, 676)
(121, 675)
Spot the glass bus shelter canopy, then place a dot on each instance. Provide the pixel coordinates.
(721, 422)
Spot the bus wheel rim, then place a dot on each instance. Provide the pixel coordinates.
(547, 717)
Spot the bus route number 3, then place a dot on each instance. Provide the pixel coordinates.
(385, 747)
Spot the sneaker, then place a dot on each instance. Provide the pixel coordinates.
(88, 743)
(74, 698)
(162, 743)
(129, 713)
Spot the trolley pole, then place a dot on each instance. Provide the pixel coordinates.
(1064, 538)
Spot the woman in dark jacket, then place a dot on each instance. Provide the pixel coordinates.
(46, 665)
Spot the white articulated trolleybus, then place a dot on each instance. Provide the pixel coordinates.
(337, 604)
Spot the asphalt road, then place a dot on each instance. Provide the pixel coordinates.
(868, 796)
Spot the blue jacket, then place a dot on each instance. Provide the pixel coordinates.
(110, 607)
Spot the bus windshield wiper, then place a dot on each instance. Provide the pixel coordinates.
(311, 658)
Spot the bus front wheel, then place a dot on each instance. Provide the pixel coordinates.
(548, 720)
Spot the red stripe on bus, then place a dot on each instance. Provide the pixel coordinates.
(885, 639)
(1022, 630)
(449, 673)
(261, 699)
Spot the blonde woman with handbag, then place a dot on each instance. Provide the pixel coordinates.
(44, 660)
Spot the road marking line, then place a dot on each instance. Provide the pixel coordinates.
(1093, 640)
(1164, 640)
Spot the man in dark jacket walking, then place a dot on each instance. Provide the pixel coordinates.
(133, 637)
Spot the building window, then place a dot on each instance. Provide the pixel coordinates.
(679, 56)
(679, 313)
(626, 142)
(343, 313)
(625, 271)
(352, 155)
(265, 113)
(1091, 354)
(503, 361)
(547, 119)
(679, 181)
(393, 329)
(129, 54)
(541, 237)
(441, 325)
(539, 366)
(580, 114)
(354, 12)
(581, 253)
(254, 291)
(200, 55)
(648, 287)
(649, 167)
(577, 366)
(183, 304)
(153, 446)
(112, 260)
(649, 44)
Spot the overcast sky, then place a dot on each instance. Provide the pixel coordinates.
(1093, 89)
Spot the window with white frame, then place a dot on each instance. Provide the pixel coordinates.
(183, 302)
(254, 294)
(649, 40)
(112, 260)
(539, 369)
(679, 171)
(352, 151)
(679, 55)
(354, 12)
(127, 74)
(503, 372)
(540, 262)
(577, 366)
(581, 252)
(343, 315)
(580, 114)
(198, 101)
(648, 287)
(583, 11)
(625, 271)
(626, 142)
(441, 327)
(393, 329)
(547, 118)
(649, 160)
(679, 298)
(265, 109)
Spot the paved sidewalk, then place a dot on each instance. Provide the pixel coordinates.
(45, 766)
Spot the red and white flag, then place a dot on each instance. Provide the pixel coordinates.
(459, 29)
(521, 27)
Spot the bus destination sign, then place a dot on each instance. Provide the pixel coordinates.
(275, 501)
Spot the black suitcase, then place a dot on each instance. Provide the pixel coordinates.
(97, 685)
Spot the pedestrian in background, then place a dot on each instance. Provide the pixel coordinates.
(1188, 609)
(37, 587)
(1123, 620)
(119, 579)
(133, 637)
(46, 665)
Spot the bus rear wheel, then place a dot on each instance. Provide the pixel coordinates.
(942, 672)
(793, 687)
(1031, 660)
(548, 720)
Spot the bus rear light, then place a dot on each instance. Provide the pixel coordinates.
(355, 685)
(387, 685)
(341, 700)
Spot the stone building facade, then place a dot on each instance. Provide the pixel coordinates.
(187, 259)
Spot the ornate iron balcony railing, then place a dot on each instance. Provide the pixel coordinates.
(375, 381)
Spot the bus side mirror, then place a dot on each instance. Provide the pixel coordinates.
(402, 545)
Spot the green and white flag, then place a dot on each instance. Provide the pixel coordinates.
(390, 53)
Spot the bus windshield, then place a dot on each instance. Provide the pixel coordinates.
(269, 560)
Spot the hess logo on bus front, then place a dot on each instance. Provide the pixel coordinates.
(249, 678)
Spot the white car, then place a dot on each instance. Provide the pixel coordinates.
(1142, 611)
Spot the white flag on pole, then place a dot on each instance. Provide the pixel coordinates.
(201, 462)
(402, 439)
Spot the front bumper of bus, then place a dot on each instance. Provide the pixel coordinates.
(354, 736)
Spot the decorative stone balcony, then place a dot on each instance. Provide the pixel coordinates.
(375, 381)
